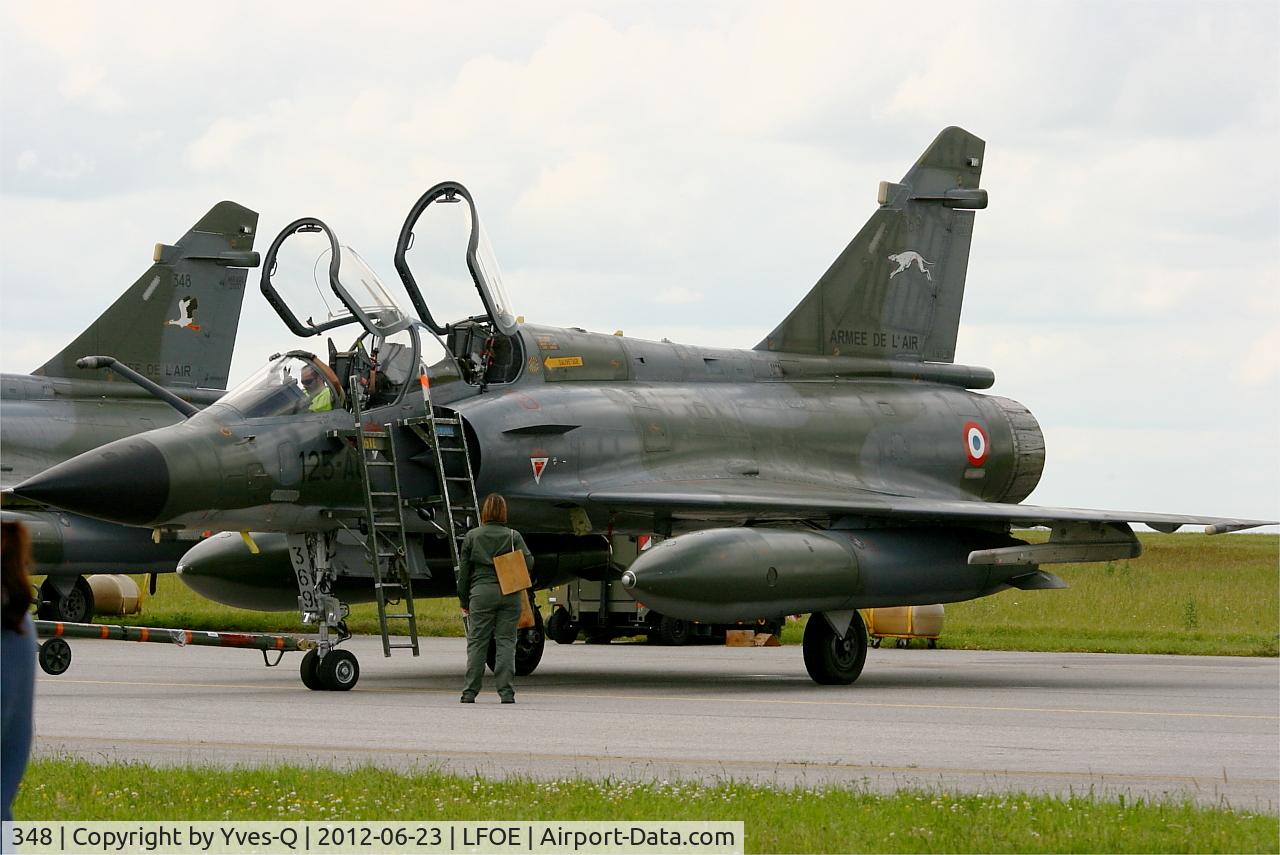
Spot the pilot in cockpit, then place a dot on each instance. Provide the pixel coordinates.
(319, 393)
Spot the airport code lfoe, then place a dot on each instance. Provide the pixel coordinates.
(270, 838)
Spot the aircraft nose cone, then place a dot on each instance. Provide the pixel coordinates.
(126, 481)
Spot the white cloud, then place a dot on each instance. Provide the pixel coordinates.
(219, 144)
(689, 172)
(676, 296)
(88, 83)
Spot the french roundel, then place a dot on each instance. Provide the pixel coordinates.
(975, 443)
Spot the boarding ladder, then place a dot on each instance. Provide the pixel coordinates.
(385, 544)
(444, 436)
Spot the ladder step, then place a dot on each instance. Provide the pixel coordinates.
(445, 421)
(404, 616)
(403, 646)
(454, 450)
(378, 463)
(383, 493)
(456, 478)
(374, 434)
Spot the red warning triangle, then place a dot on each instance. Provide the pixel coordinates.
(539, 464)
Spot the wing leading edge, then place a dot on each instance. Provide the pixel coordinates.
(806, 501)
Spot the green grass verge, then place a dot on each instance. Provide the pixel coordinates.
(1188, 593)
(832, 819)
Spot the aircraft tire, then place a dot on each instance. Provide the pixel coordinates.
(55, 656)
(561, 628)
(830, 659)
(309, 670)
(530, 644)
(673, 632)
(73, 607)
(338, 671)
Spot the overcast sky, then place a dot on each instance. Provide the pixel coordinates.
(688, 170)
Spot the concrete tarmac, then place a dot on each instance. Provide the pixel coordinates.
(1206, 728)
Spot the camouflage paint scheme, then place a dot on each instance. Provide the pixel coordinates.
(844, 462)
(176, 325)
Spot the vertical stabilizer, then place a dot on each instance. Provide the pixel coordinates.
(896, 290)
(177, 324)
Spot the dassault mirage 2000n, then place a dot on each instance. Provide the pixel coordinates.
(844, 462)
(176, 326)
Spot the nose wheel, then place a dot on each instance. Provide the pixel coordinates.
(337, 671)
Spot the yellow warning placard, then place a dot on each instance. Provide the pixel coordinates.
(563, 362)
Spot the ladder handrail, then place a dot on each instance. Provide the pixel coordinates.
(396, 556)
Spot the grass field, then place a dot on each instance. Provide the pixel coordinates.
(776, 820)
(1188, 593)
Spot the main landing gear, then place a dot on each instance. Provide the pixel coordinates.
(66, 600)
(831, 658)
(530, 642)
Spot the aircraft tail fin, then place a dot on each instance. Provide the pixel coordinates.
(896, 290)
(177, 324)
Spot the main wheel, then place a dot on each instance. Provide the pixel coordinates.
(75, 606)
(55, 656)
(530, 642)
(560, 627)
(832, 660)
(338, 671)
(673, 632)
(310, 670)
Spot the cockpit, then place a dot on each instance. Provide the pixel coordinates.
(307, 267)
(288, 385)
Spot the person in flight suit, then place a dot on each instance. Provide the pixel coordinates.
(319, 395)
(490, 614)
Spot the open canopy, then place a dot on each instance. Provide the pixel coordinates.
(481, 262)
(319, 262)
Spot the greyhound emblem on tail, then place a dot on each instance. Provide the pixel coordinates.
(908, 258)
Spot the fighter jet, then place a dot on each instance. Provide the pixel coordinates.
(844, 462)
(176, 326)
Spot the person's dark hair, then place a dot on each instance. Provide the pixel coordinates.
(494, 509)
(15, 550)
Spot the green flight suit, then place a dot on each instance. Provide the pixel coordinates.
(493, 615)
